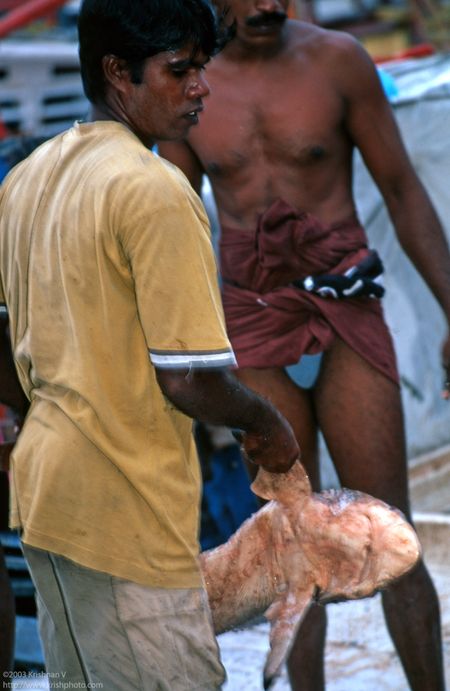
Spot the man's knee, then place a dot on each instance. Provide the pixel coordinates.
(415, 589)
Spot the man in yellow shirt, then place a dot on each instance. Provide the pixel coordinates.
(118, 338)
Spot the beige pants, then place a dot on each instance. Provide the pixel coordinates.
(101, 632)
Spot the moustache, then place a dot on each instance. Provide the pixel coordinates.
(266, 19)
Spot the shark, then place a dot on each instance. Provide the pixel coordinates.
(303, 547)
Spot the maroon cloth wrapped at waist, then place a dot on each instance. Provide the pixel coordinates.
(271, 323)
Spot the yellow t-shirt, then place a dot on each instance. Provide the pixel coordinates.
(107, 272)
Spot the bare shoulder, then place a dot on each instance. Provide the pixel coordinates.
(304, 45)
(338, 55)
(328, 45)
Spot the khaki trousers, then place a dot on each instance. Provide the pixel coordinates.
(101, 632)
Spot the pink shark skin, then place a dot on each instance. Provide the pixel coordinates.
(303, 547)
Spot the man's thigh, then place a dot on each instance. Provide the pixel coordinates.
(62, 658)
(118, 635)
(360, 414)
(296, 404)
(171, 636)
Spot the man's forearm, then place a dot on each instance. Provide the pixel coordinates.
(421, 236)
(215, 396)
(218, 398)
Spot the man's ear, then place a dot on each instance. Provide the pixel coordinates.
(116, 72)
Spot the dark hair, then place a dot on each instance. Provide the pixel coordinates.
(134, 30)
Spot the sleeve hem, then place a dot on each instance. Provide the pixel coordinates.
(207, 359)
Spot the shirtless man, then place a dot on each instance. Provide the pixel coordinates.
(289, 103)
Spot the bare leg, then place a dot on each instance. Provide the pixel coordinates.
(306, 660)
(295, 404)
(7, 620)
(360, 414)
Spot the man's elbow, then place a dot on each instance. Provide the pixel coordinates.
(173, 383)
(191, 390)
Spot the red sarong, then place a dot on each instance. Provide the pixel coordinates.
(271, 323)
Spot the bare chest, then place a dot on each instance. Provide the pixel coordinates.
(265, 123)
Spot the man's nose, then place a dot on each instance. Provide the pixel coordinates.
(198, 87)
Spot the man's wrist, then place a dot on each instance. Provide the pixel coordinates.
(264, 420)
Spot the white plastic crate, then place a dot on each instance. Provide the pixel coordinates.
(40, 87)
